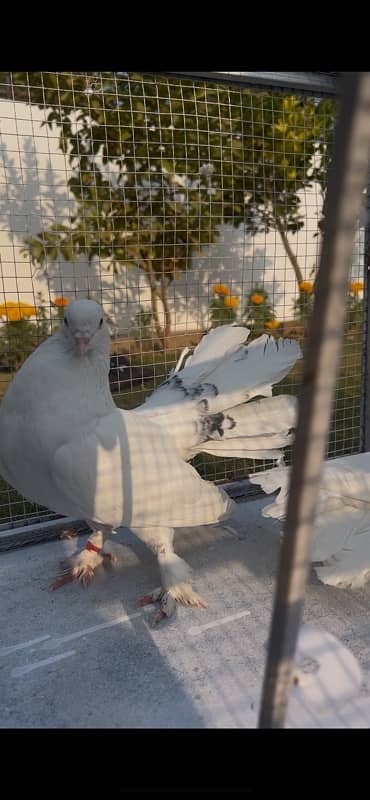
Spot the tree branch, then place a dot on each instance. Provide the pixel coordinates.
(292, 257)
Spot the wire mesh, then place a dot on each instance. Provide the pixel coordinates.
(177, 204)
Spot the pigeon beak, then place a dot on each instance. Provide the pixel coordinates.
(82, 343)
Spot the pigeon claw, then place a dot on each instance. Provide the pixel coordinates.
(166, 601)
(160, 615)
(153, 597)
(61, 580)
(84, 574)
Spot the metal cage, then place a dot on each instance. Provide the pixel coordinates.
(178, 201)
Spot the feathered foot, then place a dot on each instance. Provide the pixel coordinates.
(182, 593)
(175, 574)
(81, 567)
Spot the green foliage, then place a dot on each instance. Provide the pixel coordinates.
(355, 305)
(223, 309)
(19, 338)
(290, 140)
(158, 165)
(220, 314)
(142, 324)
(57, 317)
(259, 309)
(303, 305)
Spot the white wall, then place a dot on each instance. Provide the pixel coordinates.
(34, 193)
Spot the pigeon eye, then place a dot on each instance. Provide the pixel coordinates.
(66, 321)
(101, 322)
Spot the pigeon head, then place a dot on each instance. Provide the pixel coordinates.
(84, 327)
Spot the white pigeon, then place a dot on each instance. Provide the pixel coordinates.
(65, 445)
(341, 546)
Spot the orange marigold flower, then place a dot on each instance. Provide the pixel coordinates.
(14, 312)
(219, 288)
(306, 286)
(257, 299)
(272, 324)
(356, 287)
(61, 301)
(231, 302)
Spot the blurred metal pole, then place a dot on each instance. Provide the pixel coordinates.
(365, 372)
(346, 181)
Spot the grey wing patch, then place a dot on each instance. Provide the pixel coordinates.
(241, 354)
(190, 393)
(213, 426)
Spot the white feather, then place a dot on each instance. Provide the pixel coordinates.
(342, 525)
(220, 378)
(65, 445)
(218, 344)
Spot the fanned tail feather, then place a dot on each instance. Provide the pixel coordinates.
(207, 404)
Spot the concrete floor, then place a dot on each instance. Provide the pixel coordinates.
(91, 658)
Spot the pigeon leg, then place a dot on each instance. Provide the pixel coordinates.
(175, 573)
(82, 566)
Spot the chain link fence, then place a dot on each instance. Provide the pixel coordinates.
(179, 202)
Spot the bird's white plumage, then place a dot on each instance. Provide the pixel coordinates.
(188, 403)
(218, 344)
(126, 472)
(240, 373)
(258, 429)
(65, 445)
(328, 679)
(342, 526)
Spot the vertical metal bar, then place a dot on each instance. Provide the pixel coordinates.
(365, 371)
(347, 179)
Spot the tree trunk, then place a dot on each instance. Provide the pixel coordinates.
(154, 302)
(292, 257)
(155, 295)
(167, 310)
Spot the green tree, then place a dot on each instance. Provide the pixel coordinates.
(158, 165)
(288, 139)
